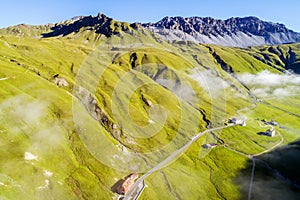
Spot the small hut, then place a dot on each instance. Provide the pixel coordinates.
(270, 132)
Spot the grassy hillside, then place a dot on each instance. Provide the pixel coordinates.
(80, 112)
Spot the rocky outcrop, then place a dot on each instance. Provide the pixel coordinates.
(248, 31)
(61, 82)
(146, 101)
(101, 24)
(91, 105)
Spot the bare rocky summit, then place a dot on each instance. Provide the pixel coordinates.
(242, 32)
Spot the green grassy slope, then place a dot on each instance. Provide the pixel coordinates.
(184, 78)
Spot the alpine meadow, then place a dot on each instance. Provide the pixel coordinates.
(184, 108)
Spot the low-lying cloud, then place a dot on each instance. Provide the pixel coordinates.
(25, 115)
(267, 78)
(182, 90)
(210, 82)
(266, 84)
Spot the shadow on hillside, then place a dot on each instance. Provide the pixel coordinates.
(101, 21)
(277, 175)
(261, 133)
(101, 24)
(114, 188)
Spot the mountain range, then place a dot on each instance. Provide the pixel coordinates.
(238, 32)
(241, 32)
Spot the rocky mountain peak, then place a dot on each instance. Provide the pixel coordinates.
(100, 24)
(209, 25)
(235, 31)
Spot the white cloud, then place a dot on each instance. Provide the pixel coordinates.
(209, 82)
(182, 90)
(21, 107)
(31, 117)
(266, 84)
(267, 78)
(288, 91)
(261, 92)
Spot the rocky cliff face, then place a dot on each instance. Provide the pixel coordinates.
(248, 31)
(100, 24)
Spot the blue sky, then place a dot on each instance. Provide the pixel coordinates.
(14, 12)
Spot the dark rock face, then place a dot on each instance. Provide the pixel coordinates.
(100, 23)
(272, 33)
(77, 23)
(213, 26)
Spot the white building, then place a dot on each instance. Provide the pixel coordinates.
(237, 121)
(270, 132)
(209, 146)
(273, 123)
(243, 123)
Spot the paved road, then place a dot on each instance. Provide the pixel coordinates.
(273, 147)
(251, 179)
(264, 125)
(135, 189)
(138, 187)
(252, 157)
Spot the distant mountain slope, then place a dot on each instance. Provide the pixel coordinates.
(100, 25)
(241, 32)
(25, 30)
(238, 32)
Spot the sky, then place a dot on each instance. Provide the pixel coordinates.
(36, 12)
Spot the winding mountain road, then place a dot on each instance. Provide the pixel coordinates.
(135, 189)
(253, 158)
(273, 147)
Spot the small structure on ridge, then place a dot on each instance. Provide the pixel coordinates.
(270, 132)
(209, 145)
(237, 121)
